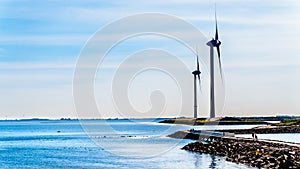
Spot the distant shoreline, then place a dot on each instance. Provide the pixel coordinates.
(265, 130)
(214, 121)
(195, 123)
(253, 118)
(49, 119)
(227, 120)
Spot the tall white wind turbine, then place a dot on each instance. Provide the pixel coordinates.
(196, 74)
(215, 42)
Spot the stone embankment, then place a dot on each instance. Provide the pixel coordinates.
(255, 153)
(184, 135)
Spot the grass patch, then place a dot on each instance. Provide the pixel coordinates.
(288, 122)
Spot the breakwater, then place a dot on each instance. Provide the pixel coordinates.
(255, 153)
(184, 135)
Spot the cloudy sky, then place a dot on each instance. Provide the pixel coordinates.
(40, 42)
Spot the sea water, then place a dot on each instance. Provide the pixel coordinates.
(101, 144)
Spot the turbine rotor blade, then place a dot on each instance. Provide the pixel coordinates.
(220, 65)
(216, 35)
(199, 82)
(198, 63)
(218, 50)
(218, 43)
(197, 60)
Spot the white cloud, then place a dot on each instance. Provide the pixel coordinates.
(31, 65)
(44, 39)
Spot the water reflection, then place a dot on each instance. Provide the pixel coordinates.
(213, 163)
(202, 159)
(197, 161)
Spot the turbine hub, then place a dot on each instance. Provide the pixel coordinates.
(196, 72)
(213, 43)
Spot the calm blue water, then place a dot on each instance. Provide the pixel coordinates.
(104, 144)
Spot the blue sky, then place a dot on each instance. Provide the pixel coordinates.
(40, 42)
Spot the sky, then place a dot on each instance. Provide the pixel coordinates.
(41, 41)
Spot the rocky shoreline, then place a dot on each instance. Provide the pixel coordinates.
(255, 153)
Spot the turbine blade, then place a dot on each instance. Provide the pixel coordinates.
(220, 65)
(197, 58)
(218, 50)
(216, 35)
(218, 44)
(198, 63)
(199, 82)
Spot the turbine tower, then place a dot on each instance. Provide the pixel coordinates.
(215, 42)
(196, 74)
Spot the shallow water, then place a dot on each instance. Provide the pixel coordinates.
(114, 144)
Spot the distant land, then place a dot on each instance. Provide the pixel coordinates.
(227, 120)
(239, 118)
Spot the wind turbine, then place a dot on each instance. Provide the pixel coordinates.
(215, 42)
(196, 74)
